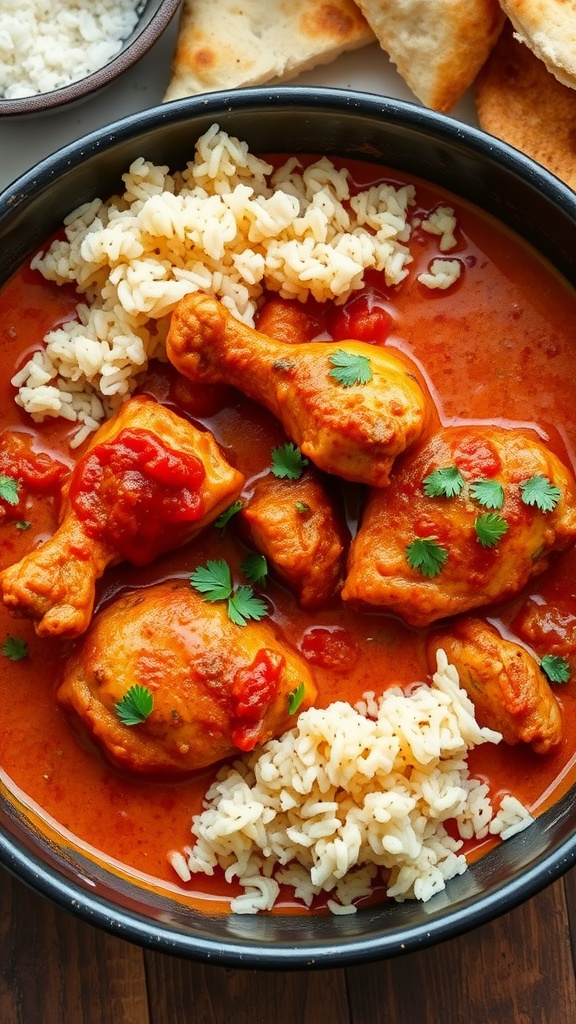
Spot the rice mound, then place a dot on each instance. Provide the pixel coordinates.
(46, 46)
(227, 225)
(349, 793)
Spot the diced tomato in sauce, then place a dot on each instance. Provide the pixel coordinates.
(127, 490)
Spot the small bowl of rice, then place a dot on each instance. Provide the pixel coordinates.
(47, 63)
(134, 216)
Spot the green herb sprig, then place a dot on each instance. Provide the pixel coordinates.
(350, 368)
(540, 492)
(14, 648)
(214, 582)
(9, 490)
(490, 528)
(288, 463)
(295, 698)
(446, 482)
(555, 668)
(426, 555)
(135, 706)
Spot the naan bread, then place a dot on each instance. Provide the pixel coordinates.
(519, 101)
(224, 44)
(438, 46)
(548, 27)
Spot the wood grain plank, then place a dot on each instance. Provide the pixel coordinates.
(55, 968)
(518, 968)
(181, 991)
(569, 882)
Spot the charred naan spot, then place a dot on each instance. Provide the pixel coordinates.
(203, 59)
(330, 21)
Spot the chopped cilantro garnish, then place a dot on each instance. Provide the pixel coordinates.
(288, 463)
(490, 528)
(350, 368)
(302, 507)
(23, 524)
(224, 518)
(427, 555)
(9, 490)
(14, 648)
(488, 493)
(539, 491)
(255, 568)
(214, 582)
(135, 706)
(243, 605)
(446, 482)
(556, 668)
(295, 699)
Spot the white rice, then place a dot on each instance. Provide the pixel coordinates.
(226, 225)
(350, 794)
(46, 45)
(441, 274)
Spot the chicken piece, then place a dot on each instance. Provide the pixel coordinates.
(295, 524)
(289, 321)
(149, 482)
(426, 557)
(352, 429)
(217, 688)
(504, 682)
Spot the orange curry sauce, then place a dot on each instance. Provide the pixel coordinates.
(497, 346)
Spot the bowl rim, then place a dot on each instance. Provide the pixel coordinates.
(468, 913)
(56, 99)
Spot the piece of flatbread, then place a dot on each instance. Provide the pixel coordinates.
(438, 46)
(519, 101)
(226, 44)
(548, 27)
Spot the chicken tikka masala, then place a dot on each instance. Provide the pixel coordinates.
(287, 515)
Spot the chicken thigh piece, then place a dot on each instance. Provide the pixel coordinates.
(504, 682)
(351, 407)
(149, 482)
(469, 517)
(217, 688)
(296, 525)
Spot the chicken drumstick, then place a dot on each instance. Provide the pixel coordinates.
(351, 407)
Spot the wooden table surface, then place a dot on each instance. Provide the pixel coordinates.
(520, 969)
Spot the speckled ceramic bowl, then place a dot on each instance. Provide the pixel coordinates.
(154, 17)
(475, 167)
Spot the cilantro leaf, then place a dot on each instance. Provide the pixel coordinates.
(14, 648)
(446, 482)
(427, 555)
(224, 518)
(288, 463)
(255, 568)
(350, 368)
(539, 491)
(490, 528)
(213, 580)
(23, 524)
(489, 493)
(244, 605)
(556, 668)
(295, 698)
(302, 507)
(135, 706)
(9, 490)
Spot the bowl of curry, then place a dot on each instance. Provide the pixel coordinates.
(287, 530)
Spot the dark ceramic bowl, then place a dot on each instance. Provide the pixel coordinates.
(154, 18)
(468, 163)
